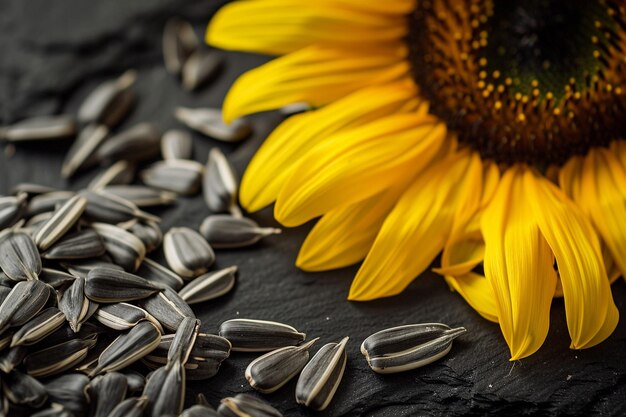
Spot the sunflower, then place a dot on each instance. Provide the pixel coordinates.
(484, 131)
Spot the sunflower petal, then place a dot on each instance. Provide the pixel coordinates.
(476, 290)
(590, 310)
(283, 26)
(272, 165)
(315, 75)
(379, 154)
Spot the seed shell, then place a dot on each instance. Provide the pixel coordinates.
(209, 286)
(23, 303)
(80, 245)
(186, 252)
(220, 184)
(40, 128)
(123, 316)
(109, 102)
(183, 341)
(106, 392)
(140, 195)
(141, 142)
(58, 358)
(175, 175)
(106, 285)
(210, 123)
(247, 335)
(108, 208)
(39, 327)
(168, 308)
(223, 231)
(127, 250)
(80, 154)
(176, 144)
(179, 42)
(244, 405)
(74, 304)
(19, 257)
(121, 172)
(47, 202)
(160, 275)
(200, 68)
(61, 221)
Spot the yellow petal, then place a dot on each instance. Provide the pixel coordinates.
(462, 254)
(283, 26)
(272, 165)
(315, 75)
(356, 164)
(519, 265)
(591, 312)
(476, 290)
(417, 227)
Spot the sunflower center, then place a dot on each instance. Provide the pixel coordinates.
(533, 81)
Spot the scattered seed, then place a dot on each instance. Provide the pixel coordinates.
(247, 335)
(58, 358)
(160, 275)
(320, 378)
(19, 258)
(121, 172)
(106, 392)
(123, 316)
(109, 103)
(40, 128)
(106, 285)
(135, 381)
(186, 252)
(11, 358)
(23, 389)
(31, 189)
(179, 42)
(140, 195)
(219, 184)
(168, 308)
(209, 286)
(210, 123)
(149, 233)
(11, 209)
(81, 267)
(109, 208)
(199, 411)
(168, 397)
(61, 221)
(223, 231)
(176, 175)
(244, 405)
(69, 391)
(127, 250)
(5, 341)
(39, 327)
(81, 152)
(80, 245)
(200, 68)
(176, 144)
(23, 303)
(141, 142)
(131, 407)
(54, 278)
(74, 304)
(183, 341)
(47, 202)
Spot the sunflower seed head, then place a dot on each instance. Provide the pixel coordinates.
(19, 257)
(80, 154)
(141, 142)
(199, 411)
(210, 123)
(175, 175)
(244, 405)
(186, 252)
(127, 250)
(200, 68)
(61, 221)
(23, 389)
(11, 209)
(209, 286)
(140, 195)
(131, 407)
(109, 208)
(179, 43)
(11, 358)
(107, 285)
(160, 275)
(39, 327)
(271, 371)
(247, 335)
(109, 102)
(220, 184)
(69, 391)
(80, 245)
(320, 378)
(223, 231)
(168, 308)
(176, 144)
(41, 128)
(121, 172)
(408, 347)
(23, 303)
(58, 358)
(123, 316)
(106, 392)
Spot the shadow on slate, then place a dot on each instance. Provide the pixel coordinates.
(55, 53)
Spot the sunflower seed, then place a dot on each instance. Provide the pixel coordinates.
(31, 189)
(171, 395)
(80, 245)
(141, 142)
(81, 152)
(23, 303)
(42, 325)
(196, 369)
(135, 381)
(168, 308)
(123, 316)
(245, 405)
(247, 335)
(62, 220)
(183, 341)
(88, 331)
(186, 252)
(176, 144)
(23, 389)
(219, 184)
(131, 407)
(210, 123)
(107, 285)
(206, 346)
(200, 68)
(105, 392)
(149, 233)
(40, 128)
(125, 248)
(5, 341)
(179, 42)
(320, 378)
(408, 347)
(11, 209)
(176, 175)
(56, 279)
(140, 195)
(152, 271)
(109, 208)
(209, 286)
(19, 258)
(121, 172)
(55, 410)
(199, 411)
(109, 102)
(74, 304)
(81, 267)
(271, 371)
(291, 109)
(69, 391)
(223, 231)
(58, 358)
(11, 358)
(47, 202)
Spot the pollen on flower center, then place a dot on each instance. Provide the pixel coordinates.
(524, 80)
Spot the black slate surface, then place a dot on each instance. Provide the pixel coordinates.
(54, 52)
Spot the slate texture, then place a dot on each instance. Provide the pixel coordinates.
(53, 53)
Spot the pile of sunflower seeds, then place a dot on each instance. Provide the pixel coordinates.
(92, 325)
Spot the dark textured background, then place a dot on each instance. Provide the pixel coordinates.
(53, 53)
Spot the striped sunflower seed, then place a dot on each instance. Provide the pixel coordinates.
(11, 358)
(127, 250)
(320, 378)
(47, 202)
(31, 189)
(80, 245)
(55, 410)
(88, 331)
(179, 42)
(124, 316)
(25, 300)
(177, 175)
(199, 410)
(108, 208)
(105, 392)
(210, 123)
(54, 278)
(80, 154)
(168, 308)
(141, 142)
(23, 389)
(106, 285)
(209, 286)
(40, 128)
(408, 347)
(58, 358)
(196, 369)
(61, 221)
(69, 391)
(200, 68)
(140, 195)
(166, 391)
(247, 335)
(11, 209)
(5, 341)
(206, 346)
(245, 405)
(220, 184)
(130, 407)
(223, 231)
(121, 172)
(128, 348)
(160, 275)
(74, 304)
(149, 233)
(271, 371)
(186, 252)
(183, 341)
(109, 103)
(81, 267)
(135, 381)
(176, 144)
(39, 327)
(19, 257)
